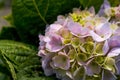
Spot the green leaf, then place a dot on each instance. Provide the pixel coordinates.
(89, 3)
(4, 77)
(22, 61)
(15, 50)
(36, 78)
(9, 33)
(31, 16)
(3, 69)
(10, 65)
(18, 57)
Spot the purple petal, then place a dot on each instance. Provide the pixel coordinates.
(46, 64)
(104, 6)
(41, 53)
(74, 27)
(60, 20)
(98, 27)
(104, 29)
(114, 41)
(84, 32)
(41, 37)
(54, 44)
(117, 64)
(114, 52)
(42, 45)
(92, 10)
(118, 67)
(62, 74)
(92, 68)
(42, 42)
(103, 32)
(53, 28)
(105, 47)
(108, 75)
(117, 32)
(77, 30)
(61, 61)
(117, 15)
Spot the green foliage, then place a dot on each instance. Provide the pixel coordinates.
(20, 60)
(31, 16)
(9, 33)
(89, 3)
(36, 78)
(114, 2)
(4, 77)
(10, 65)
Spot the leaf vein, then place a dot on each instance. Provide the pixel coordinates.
(36, 7)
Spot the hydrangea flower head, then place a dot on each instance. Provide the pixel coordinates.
(83, 45)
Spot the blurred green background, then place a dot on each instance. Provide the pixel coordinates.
(5, 3)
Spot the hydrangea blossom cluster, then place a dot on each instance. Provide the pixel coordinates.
(83, 45)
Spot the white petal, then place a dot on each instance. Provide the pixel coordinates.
(105, 47)
(96, 37)
(114, 52)
(99, 26)
(55, 27)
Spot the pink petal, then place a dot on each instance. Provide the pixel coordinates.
(54, 44)
(74, 27)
